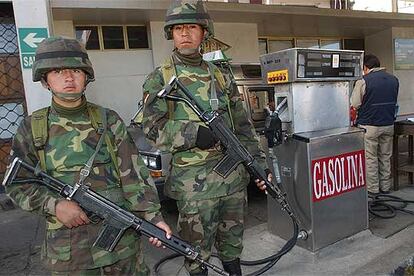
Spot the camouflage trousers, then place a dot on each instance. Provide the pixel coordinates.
(219, 221)
(133, 265)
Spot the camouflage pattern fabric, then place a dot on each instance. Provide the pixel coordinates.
(72, 140)
(219, 221)
(188, 12)
(211, 208)
(192, 176)
(59, 52)
(133, 265)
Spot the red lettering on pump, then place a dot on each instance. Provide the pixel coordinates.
(338, 174)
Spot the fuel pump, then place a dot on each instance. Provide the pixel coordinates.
(320, 156)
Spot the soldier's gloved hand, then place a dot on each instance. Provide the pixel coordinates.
(70, 214)
(205, 138)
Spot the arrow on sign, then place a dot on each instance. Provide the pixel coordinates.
(31, 40)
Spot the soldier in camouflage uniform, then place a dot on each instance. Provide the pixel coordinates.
(211, 208)
(63, 67)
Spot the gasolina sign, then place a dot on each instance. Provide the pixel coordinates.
(335, 175)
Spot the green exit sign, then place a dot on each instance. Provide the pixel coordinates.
(29, 39)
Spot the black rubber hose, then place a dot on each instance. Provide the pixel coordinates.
(286, 248)
(276, 257)
(386, 206)
(269, 261)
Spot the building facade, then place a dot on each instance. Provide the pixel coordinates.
(125, 40)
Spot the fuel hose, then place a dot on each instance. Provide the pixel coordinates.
(268, 261)
(386, 206)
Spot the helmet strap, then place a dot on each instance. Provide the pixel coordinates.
(68, 97)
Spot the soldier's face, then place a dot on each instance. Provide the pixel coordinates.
(187, 36)
(66, 80)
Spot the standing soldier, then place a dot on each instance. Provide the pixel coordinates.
(211, 208)
(61, 139)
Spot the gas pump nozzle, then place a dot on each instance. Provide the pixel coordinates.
(282, 105)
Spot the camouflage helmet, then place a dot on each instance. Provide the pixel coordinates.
(59, 52)
(188, 12)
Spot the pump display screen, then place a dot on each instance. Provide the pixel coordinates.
(327, 64)
(305, 64)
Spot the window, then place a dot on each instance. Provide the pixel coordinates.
(307, 43)
(258, 100)
(11, 114)
(354, 44)
(251, 71)
(137, 37)
(270, 45)
(278, 45)
(89, 36)
(262, 46)
(330, 44)
(113, 37)
(405, 6)
(373, 5)
(8, 43)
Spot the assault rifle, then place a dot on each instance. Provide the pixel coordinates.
(234, 152)
(115, 219)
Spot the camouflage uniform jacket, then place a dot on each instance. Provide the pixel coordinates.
(71, 142)
(192, 176)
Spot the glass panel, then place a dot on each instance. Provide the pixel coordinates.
(8, 41)
(89, 36)
(113, 37)
(373, 5)
(251, 71)
(258, 101)
(11, 115)
(262, 46)
(11, 83)
(406, 6)
(277, 45)
(331, 44)
(354, 44)
(307, 43)
(137, 37)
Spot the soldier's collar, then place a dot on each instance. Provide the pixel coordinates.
(193, 59)
(59, 109)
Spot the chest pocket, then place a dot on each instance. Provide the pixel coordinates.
(103, 170)
(203, 95)
(66, 156)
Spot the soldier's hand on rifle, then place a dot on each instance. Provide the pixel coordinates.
(205, 138)
(168, 233)
(70, 214)
(261, 184)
